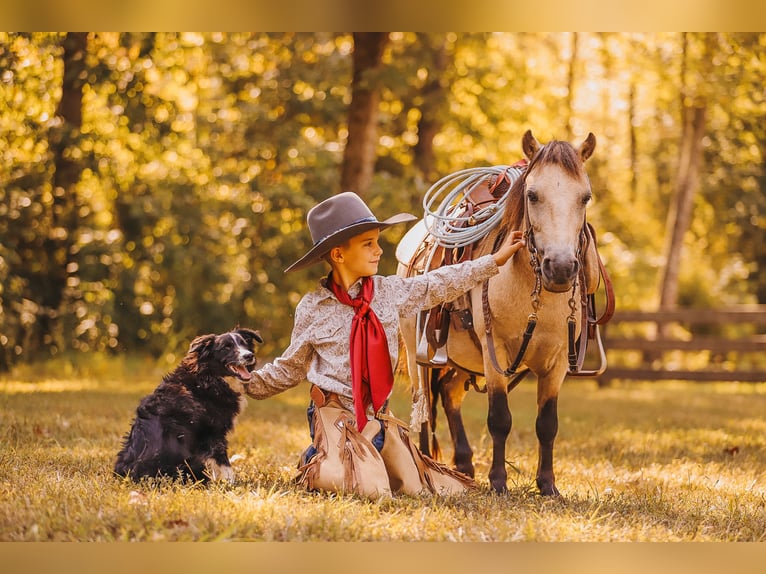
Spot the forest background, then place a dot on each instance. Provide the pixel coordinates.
(154, 186)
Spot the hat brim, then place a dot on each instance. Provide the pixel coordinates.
(341, 236)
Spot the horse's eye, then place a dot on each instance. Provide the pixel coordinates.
(586, 198)
(532, 196)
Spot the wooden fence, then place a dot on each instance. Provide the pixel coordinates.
(703, 345)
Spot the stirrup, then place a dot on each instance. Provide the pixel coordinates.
(421, 352)
(440, 356)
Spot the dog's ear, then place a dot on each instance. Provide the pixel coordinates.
(202, 345)
(249, 335)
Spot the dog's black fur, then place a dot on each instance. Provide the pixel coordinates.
(180, 429)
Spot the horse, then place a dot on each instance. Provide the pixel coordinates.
(548, 202)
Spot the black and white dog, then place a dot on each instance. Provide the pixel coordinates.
(180, 429)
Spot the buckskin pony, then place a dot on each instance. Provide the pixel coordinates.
(526, 317)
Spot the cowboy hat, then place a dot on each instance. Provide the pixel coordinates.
(337, 219)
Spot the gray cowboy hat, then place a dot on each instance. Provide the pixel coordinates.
(336, 220)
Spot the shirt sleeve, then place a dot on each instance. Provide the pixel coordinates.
(441, 285)
(291, 368)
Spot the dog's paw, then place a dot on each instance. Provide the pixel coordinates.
(219, 472)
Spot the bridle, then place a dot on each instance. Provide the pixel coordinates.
(575, 356)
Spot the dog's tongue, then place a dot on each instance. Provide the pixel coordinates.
(243, 373)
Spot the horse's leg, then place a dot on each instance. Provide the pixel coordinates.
(499, 424)
(453, 393)
(546, 428)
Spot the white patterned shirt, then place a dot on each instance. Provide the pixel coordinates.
(319, 344)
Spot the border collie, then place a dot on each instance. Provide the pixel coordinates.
(180, 429)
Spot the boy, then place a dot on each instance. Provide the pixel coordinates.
(345, 342)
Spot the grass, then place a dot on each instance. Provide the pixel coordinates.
(639, 462)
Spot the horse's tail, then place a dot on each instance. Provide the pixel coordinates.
(437, 396)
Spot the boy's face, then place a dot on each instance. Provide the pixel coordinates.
(360, 256)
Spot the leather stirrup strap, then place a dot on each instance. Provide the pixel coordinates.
(608, 287)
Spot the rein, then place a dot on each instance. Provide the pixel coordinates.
(589, 320)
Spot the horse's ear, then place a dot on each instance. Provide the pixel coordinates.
(529, 144)
(586, 148)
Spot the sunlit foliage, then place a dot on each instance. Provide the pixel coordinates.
(201, 153)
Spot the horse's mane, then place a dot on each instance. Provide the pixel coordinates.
(556, 152)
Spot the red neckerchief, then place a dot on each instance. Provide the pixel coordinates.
(371, 375)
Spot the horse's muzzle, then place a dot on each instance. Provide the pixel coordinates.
(558, 274)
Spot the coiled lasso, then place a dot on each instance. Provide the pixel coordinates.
(453, 231)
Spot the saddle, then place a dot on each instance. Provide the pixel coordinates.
(435, 323)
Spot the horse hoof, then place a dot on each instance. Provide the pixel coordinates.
(548, 490)
(499, 488)
(468, 470)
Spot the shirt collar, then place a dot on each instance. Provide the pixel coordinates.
(353, 291)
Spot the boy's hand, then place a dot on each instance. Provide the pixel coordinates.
(511, 245)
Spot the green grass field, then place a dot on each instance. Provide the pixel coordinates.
(639, 462)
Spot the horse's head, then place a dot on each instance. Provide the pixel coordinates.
(556, 192)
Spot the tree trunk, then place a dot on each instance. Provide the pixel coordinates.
(680, 215)
(359, 154)
(570, 88)
(758, 275)
(690, 155)
(63, 137)
(633, 151)
(432, 109)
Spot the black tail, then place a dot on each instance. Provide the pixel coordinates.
(437, 388)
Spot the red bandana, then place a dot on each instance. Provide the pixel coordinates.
(371, 376)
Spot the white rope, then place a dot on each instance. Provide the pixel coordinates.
(454, 231)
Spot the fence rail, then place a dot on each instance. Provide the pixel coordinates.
(705, 345)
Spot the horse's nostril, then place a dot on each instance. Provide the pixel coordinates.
(558, 269)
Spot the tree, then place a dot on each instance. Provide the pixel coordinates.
(571, 81)
(680, 213)
(434, 102)
(49, 284)
(360, 151)
(693, 111)
(155, 185)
